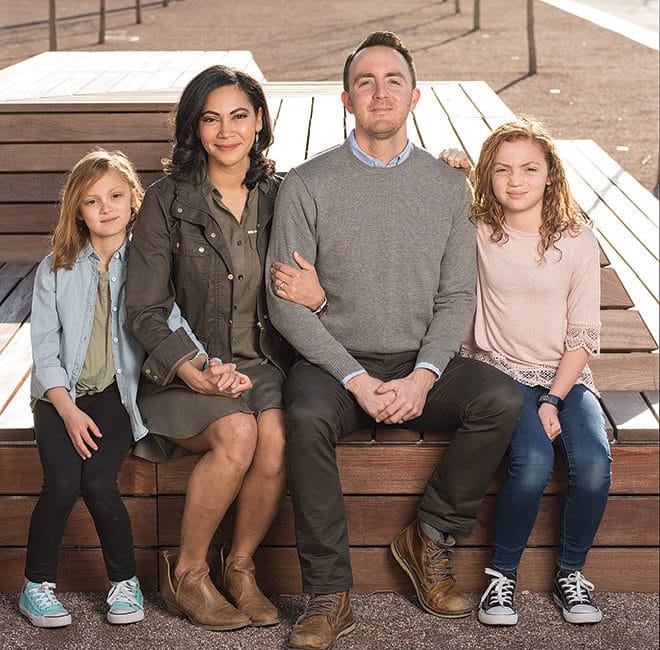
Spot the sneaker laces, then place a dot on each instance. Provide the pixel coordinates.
(499, 591)
(124, 593)
(43, 596)
(323, 605)
(576, 588)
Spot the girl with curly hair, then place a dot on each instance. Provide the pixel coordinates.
(537, 319)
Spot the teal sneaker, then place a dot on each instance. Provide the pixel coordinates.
(39, 604)
(125, 602)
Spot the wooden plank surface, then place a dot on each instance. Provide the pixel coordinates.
(633, 518)
(651, 397)
(78, 570)
(633, 419)
(15, 513)
(374, 569)
(624, 331)
(624, 371)
(94, 76)
(22, 475)
(404, 469)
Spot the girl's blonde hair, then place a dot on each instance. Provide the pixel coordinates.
(71, 233)
(559, 212)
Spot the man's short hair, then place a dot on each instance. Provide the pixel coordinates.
(384, 39)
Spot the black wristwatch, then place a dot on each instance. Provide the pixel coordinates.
(549, 398)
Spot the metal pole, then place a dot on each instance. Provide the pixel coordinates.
(138, 12)
(52, 25)
(477, 15)
(102, 23)
(531, 42)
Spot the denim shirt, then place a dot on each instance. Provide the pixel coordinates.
(62, 316)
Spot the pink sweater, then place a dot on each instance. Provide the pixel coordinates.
(529, 313)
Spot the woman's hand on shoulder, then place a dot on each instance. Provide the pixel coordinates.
(456, 158)
(217, 379)
(300, 285)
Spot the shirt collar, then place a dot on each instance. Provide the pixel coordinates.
(88, 251)
(374, 162)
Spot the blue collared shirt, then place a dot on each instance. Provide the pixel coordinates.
(63, 305)
(374, 162)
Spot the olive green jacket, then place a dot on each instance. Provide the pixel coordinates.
(178, 253)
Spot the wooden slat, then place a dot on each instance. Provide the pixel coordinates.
(20, 248)
(326, 128)
(11, 275)
(291, 131)
(22, 474)
(624, 331)
(44, 187)
(33, 218)
(16, 419)
(374, 569)
(78, 570)
(633, 518)
(630, 186)
(434, 126)
(15, 361)
(15, 309)
(15, 514)
(622, 371)
(651, 397)
(84, 127)
(60, 157)
(405, 469)
(633, 420)
(613, 294)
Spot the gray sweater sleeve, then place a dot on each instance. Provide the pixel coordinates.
(454, 302)
(294, 229)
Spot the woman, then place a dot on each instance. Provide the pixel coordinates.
(201, 240)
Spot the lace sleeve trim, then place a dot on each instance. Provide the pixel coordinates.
(583, 336)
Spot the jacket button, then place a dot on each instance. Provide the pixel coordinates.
(178, 244)
(179, 210)
(147, 371)
(201, 249)
(230, 276)
(212, 234)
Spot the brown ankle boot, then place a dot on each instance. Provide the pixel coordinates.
(428, 566)
(241, 587)
(326, 618)
(194, 596)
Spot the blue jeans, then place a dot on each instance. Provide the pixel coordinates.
(584, 446)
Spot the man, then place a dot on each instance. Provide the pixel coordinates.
(386, 226)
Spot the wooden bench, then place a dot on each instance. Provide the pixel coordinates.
(383, 471)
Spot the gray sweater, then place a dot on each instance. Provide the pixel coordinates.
(393, 249)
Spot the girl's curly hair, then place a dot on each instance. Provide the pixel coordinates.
(560, 212)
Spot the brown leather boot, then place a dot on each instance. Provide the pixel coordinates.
(326, 618)
(428, 566)
(194, 596)
(240, 586)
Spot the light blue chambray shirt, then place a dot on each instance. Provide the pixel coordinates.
(63, 305)
(374, 162)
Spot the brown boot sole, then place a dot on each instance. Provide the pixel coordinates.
(420, 594)
(266, 623)
(173, 608)
(343, 632)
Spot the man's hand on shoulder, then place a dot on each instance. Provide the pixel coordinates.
(411, 392)
(368, 394)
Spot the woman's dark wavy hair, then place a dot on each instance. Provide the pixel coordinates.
(188, 154)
